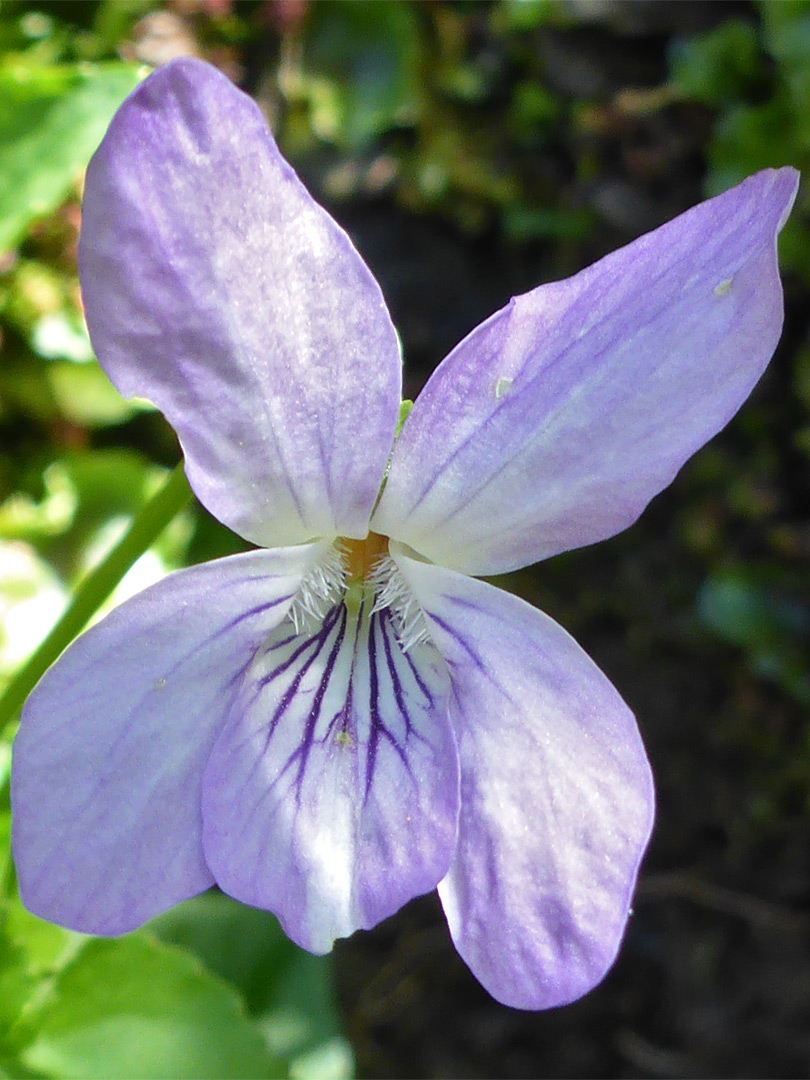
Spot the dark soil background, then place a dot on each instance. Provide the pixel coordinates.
(514, 143)
(714, 975)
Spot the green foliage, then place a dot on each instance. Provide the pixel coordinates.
(51, 121)
(522, 15)
(745, 607)
(786, 37)
(138, 1008)
(359, 70)
(219, 992)
(758, 80)
(287, 992)
(717, 67)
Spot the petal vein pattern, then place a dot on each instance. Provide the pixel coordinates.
(330, 728)
(556, 794)
(557, 420)
(331, 794)
(111, 779)
(200, 244)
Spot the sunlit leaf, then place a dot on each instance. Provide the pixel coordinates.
(51, 121)
(17, 984)
(23, 517)
(86, 396)
(31, 599)
(288, 991)
(136, 1008)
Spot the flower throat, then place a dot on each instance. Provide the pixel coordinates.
(361, 575)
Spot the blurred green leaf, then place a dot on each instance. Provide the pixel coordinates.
(31, 599)
(56, 336)
(287, 990)
(17, 984)
(113, 20)
(32, 290)
(136, 1008)
(523, 15)
(533, 113)
(743, 607)
(31, 951)
(22, 517)
(523, 222)
(719, 66)
(86, 397)
(748, 138)
(801, 375)
(47, 947)
(786, 35)
(51, 121)
(66, 503)
(109, 482)
(360, 69)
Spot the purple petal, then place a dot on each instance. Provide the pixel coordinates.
(331, 796)
(108, 761)
(216, 287)
(556, 794)
(557, 420)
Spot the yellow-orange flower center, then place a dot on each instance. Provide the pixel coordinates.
(361, 556)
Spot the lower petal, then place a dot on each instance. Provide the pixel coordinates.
(108, 761)
(331, 795)
(556, 794)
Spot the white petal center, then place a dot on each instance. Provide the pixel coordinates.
(359, 574)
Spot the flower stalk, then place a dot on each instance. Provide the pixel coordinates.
(166, 503)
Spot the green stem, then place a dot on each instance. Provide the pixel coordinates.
(94, 589)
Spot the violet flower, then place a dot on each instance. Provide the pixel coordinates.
(347, 717)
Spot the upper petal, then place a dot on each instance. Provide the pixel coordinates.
(108, 760)
(331, 795)
(556, 794)
(216, 287)
(557, 420)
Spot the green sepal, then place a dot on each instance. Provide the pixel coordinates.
(404, 409)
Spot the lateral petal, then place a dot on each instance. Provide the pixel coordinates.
(108, 761)
(555, 422)
(216, 287)
(331, 795)
(556, 794)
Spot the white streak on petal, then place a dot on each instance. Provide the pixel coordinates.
(331, 794)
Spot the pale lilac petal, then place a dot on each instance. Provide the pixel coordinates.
(556, 421)
(216, 287)
(331, 796)
(108, 761)
(556, 794)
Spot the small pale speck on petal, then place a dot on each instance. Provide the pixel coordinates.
(722, 288)
(502, 386)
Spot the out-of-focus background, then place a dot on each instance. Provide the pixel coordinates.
(473, 151)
